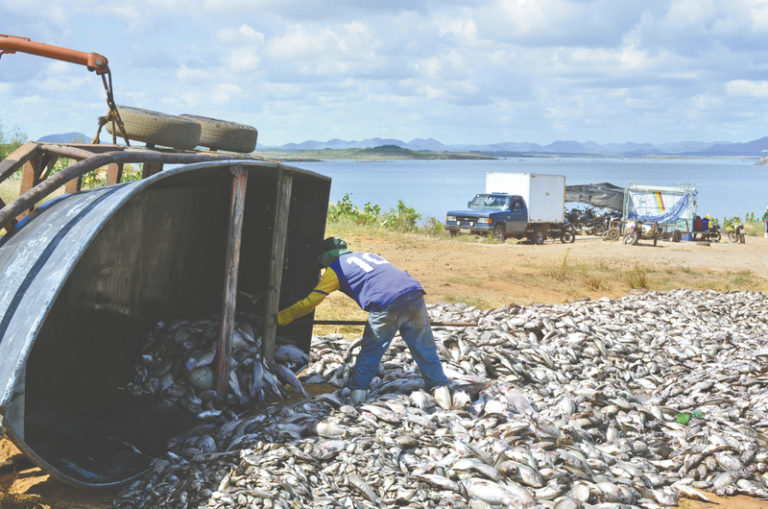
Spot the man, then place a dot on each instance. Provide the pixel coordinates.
(765, 222)
(394, 300)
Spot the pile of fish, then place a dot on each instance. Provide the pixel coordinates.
(630, 402)
(177, 366)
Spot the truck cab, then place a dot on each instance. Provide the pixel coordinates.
(500, 214)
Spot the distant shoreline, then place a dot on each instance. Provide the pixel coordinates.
(397, 153)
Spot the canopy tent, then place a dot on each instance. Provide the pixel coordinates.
(661, 204)
(603, 196)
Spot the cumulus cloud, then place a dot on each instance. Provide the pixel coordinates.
(509, 68)
(746, 88)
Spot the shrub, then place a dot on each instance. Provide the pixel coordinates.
(434, 226)
(637, 278)
(403, 219)
(345, 210)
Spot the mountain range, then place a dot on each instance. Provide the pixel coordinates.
(757, 148)
(754, 148)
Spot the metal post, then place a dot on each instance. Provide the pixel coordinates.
(237, 208)
(279, 238)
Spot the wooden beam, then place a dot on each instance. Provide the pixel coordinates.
(149, 169)
(279, 239)
(66, 151)
(52, 159)
(13, 162)
(363, 322)
(30, 177)
(232, 265)
(52, 183)
(30, 173)
(74, 185)
(114, 173)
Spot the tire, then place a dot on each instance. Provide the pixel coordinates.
(716, 237)
(733, 237)
(156, 128)
(223, 135)
(568, 237)
(611, 234)
(499, 232)
(539, 237)
(630, 238)
(598, 229)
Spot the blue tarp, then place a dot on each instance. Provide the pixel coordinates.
(661, 205)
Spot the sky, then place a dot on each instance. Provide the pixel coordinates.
(459, 71)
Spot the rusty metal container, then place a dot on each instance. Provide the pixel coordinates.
(84, 281)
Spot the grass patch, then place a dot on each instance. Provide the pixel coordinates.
(471, 300)
(595, 282)
(637, 278)
(560, 273)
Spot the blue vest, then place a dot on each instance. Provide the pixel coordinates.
(371, 280)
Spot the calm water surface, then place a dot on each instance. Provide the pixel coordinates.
(727, 186)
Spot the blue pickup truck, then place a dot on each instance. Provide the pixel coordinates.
(504, 215)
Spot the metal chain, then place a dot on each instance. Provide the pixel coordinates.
(112, 115)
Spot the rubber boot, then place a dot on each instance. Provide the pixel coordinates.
(357, 396)
(443, 396)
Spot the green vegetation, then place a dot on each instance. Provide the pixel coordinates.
(345, 212)
(10, 142)
(380, 153)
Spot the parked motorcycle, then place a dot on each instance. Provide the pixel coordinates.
(636, 230)
(736, 233)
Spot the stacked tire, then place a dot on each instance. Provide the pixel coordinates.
(185, 132)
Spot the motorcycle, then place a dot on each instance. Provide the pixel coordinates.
(636, 230)
(736, 233)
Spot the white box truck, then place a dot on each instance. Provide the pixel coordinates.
(530, 205)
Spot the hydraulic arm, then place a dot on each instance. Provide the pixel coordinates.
(93, 61)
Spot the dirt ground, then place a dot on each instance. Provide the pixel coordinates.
(488, 275)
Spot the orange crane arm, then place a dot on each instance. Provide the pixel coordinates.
(93, 61)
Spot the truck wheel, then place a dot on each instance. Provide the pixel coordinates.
(155, 128)
(539, 237)
(499, 232)
(223, 135)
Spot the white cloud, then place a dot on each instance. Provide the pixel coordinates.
(746, 88)
(244, 34)
(196, 75)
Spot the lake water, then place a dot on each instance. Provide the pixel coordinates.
(726, 187)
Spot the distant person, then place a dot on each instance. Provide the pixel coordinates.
(765, 222)
(698, 226)
(705, 223)
(394, 301)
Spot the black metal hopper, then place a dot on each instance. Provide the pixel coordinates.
(84, 280)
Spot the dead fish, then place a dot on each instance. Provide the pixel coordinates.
(289, 377)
